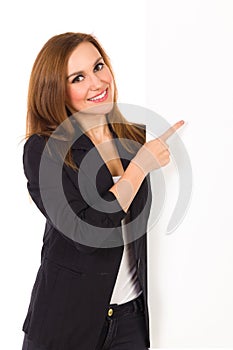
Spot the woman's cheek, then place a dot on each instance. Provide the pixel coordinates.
(75, 96)
(109, 77)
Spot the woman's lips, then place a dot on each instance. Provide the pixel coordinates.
(99, 98)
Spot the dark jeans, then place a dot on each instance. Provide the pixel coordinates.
(124, 328)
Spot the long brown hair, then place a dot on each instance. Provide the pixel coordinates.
(46, 108)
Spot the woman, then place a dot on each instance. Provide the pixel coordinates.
(88, 172)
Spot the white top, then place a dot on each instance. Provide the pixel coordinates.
(127, 286)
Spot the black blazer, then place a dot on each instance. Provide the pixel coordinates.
(75, 280)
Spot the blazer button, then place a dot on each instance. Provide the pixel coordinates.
(110, 312)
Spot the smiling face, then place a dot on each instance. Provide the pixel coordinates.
(90, 83)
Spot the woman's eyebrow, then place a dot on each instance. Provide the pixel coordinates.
(81, 72)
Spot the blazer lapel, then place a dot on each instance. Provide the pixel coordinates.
(102, 178)
(83, 144)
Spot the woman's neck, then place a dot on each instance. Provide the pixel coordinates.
(95, 127)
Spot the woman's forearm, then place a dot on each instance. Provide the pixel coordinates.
(128, 185)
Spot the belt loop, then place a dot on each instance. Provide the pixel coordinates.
(142, 302)
(135, 306)
(139, 303)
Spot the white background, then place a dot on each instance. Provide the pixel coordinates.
(174, 57)
(190, 77)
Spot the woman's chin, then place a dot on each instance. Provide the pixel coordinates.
(98, 109)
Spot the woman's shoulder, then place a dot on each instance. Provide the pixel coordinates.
(38, 146)
(35, 142)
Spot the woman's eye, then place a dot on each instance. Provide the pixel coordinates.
(78, 78)
(99, 67)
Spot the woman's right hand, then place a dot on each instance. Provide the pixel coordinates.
(155, 153)
(152, 155)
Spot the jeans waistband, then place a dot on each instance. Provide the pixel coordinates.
(116, 310)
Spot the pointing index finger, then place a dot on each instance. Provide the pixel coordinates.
(171, 131)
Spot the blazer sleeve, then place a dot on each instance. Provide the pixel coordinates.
(65, 208)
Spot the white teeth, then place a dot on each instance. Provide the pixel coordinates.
(98, 97)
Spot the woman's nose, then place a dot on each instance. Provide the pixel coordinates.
(95, 82)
